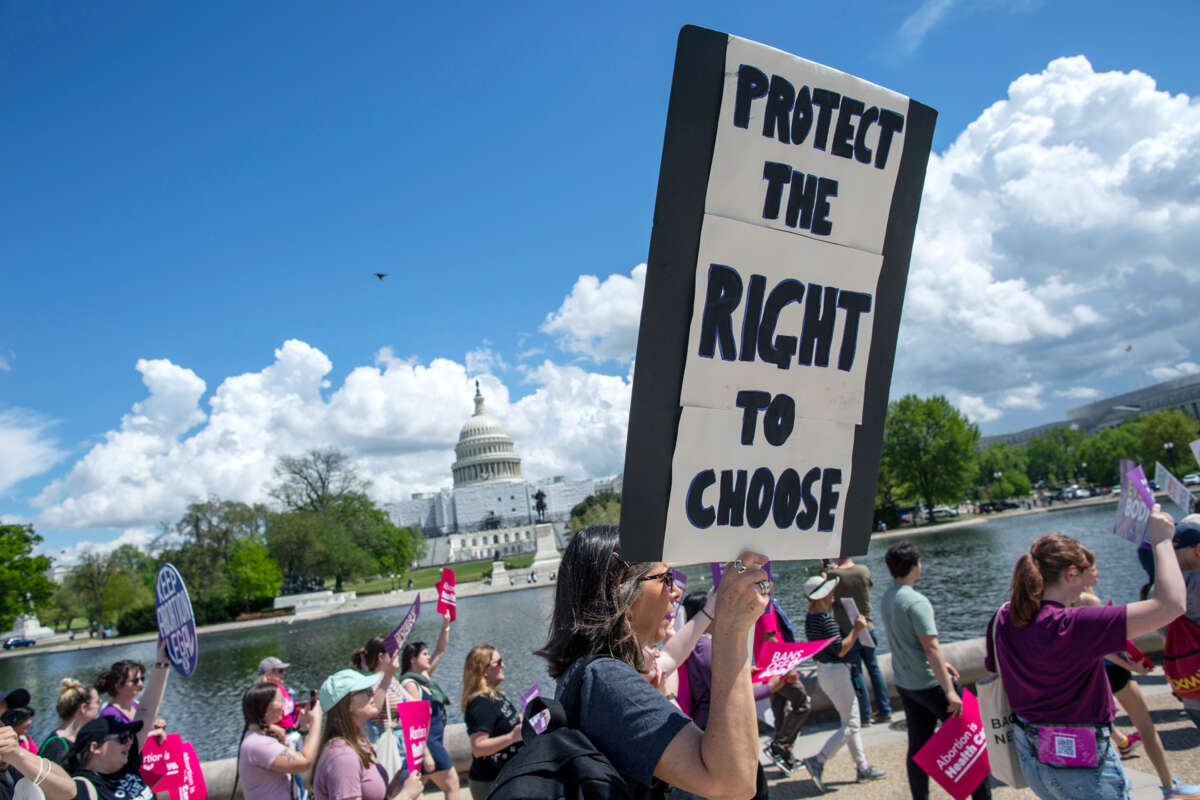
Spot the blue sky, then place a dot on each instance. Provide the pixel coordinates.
(187, 189)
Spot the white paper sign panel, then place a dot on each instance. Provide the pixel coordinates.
(821, 392)
(710, 439)
(736, 187)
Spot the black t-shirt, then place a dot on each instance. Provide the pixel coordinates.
(55, 749)
(8, 780)
(123, 785)
(494, 716)
(821, 626)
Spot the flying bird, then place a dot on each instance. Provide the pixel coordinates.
(381, 275)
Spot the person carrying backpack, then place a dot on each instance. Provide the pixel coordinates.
(606, 609)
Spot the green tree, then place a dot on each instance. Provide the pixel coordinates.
(1164, 437)
(1102, 451)
(1053, 456)
(23, 582)
(62, 607)
(106, 588)
(208, 534)
(596, 509)
(253, 573)
(929, 446)
(294, 541)
(1002, 471)
(312, 481)
(140, 563)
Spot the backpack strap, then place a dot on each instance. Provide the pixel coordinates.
(571, 696)
(89, 788)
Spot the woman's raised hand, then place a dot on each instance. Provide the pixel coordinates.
(742, 595)
(1162, 525)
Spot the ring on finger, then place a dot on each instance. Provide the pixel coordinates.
(764, 587)
(739, 566)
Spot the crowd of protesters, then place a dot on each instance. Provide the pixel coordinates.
(671, 706)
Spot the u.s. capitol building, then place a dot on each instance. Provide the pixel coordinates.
(491, 509)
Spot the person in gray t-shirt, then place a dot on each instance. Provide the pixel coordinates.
(927, 683)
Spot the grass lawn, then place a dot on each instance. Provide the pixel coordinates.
(429, 576)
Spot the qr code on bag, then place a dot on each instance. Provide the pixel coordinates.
(1064, 746)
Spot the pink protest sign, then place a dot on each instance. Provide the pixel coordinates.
(395, 640)
(414, 724)
(162, 762)
(172, 766)
(1137, 479)
(447, 602)
(192, 785)
(956, 756)
(780, 658)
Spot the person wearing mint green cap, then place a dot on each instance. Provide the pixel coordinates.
(346, 766)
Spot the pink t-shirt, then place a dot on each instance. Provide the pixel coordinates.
(257, 755)
(340, 774)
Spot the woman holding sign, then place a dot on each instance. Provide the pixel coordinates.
(346, 766)
(605, 611)
(417, 681)
(493, 723)
(1051, 655)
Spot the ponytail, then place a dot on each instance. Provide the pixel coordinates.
(366, 658)
(1046, 562)
(358, 660)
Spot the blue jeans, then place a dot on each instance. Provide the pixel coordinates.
(1106, 781)
(870, 668)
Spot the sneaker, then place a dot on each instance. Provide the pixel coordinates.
(780, 758)
(869, 774)
(1181, 791)
(879, 716)
(1131, 741)
(815, 768)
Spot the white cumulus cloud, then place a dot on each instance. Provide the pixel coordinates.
(1169, 371)
(397, 419)
(974, 407)
(599, 319)
(26, 445)
(1058, 228)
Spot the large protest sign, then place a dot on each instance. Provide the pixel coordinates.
(172, 766)
(414, 725)
(176, 622)
(787, 201)
(956, 756)
(1133, 517)
(1174, 488)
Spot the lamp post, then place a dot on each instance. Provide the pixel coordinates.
(1167, 457)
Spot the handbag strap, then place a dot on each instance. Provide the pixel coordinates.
(995, 643)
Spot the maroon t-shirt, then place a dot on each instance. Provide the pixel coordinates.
(1053, 668)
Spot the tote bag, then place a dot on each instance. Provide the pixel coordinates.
(387, 749)
(999, 723)
(1181, 658)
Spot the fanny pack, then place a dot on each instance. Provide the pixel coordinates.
(1067, 745)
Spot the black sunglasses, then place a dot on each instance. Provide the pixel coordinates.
(120, 738)
(667, 578)
(497, 663)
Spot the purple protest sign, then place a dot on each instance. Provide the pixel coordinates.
(718, 569)
(395, 640)
(1132, 515)
(1137, 479)
(176, 622)
(530, 693)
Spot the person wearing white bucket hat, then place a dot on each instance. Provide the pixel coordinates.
(833, 676)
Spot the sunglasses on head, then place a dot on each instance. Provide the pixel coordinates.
(667, 578)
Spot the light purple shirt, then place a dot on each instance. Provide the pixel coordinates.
(254, 768)
(111, 710)
(1053, 667)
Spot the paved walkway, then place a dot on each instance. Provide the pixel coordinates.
(887, 747)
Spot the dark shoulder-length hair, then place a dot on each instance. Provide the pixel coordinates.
(591, 602)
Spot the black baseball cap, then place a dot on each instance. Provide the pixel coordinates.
(100, 729)
(1187, 532)
(16, 698)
